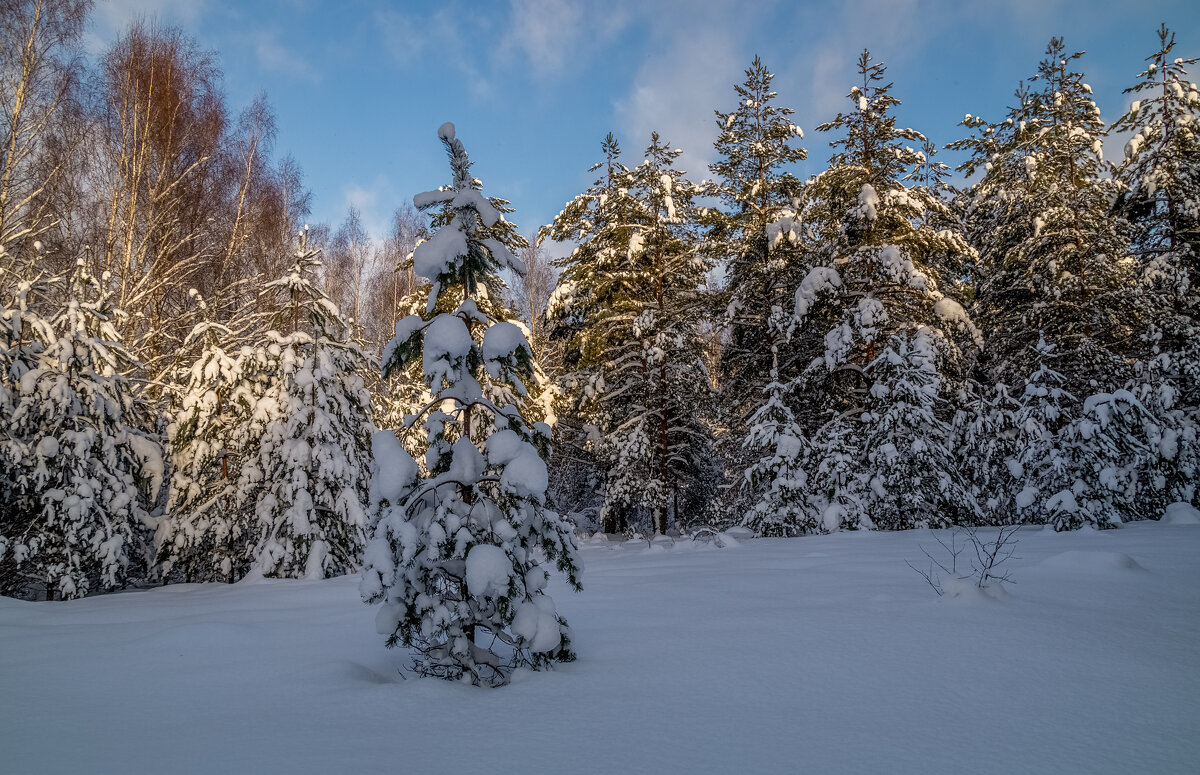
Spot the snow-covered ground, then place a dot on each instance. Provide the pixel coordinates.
(821, 654)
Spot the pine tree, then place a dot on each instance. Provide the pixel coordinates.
(876, 275)
(311, 467)
(757, 233)
(1057, 260)
(458, 558)
(632, 292)
(204, 533)
(782, 505)
(914, 479)
(91, 472)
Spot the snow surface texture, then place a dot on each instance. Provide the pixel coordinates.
(819, 654)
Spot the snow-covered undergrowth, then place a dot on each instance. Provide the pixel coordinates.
(819, 654)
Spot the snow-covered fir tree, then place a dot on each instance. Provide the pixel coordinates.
(459, 556)
(667, 438)
(1053, 259)
(1046, 478)
(913, 477)
(82, 496)
(1077, 464)
(835, 481)
(24, 335)
(1161, 176)
(206, 531)
(1055, 263)
(1171, 467)
(1109, 453)
(309, 473)
(595, 285)
(777, 480)
(985, 439)
(876, 275)
(633, 288)
(196, 536)
(757, 233)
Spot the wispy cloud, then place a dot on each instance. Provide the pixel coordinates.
(545, 31)
(110, 19)
(402, 37)
(696, 54)
(676, 97)
(443, 41)
(375, 201)
(277, 57)
(554, 37)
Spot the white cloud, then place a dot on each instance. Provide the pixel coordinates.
(273, 55)
(695, 59)
(402, 38)
(442, 42)
(546, 31)
(109, 19)
(891, 29)
(678, 102)
(375, 201)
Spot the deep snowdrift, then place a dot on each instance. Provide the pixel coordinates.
(819, 654)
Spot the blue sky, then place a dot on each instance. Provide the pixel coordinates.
(360, 88)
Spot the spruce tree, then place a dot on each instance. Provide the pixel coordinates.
(782, 505)
(91, 473)
(835, 482)
(876, 274)
(1161, 175)
(458, 558)
(913, 476)
(757, 234)
(24, 335)
(1044, 469)
(1109, 452)
(203, 534)
(632, 293)
(1161, 178)
(985, 439)
(310, 470)
(1054, 260)
(590, 313)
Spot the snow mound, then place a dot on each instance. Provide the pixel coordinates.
(535, 623)
(1181, 514)
(488, 571)
(967, 590)
(446, 131)
(1092, 561)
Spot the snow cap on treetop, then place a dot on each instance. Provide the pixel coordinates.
(446, 131)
